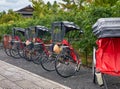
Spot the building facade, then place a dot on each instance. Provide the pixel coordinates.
(26, 11)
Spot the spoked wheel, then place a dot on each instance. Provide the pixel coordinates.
(35, 55)
(7, 51)
(37, 59)
(21, 53)
(14, 51)
(7, 44)
(27, 54)
(30, 55)
(48, 62)
(65, 66)
(21, 50)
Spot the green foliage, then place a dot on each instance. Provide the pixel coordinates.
(105, 2)
(116, 9)
(9, 17)
(86, 20)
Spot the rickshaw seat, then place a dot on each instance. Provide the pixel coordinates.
(108, 56)
(65, 42)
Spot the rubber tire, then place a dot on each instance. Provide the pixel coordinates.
(65, 66)
(48, 62)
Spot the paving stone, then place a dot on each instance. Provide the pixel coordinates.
(30, 78)
(1, 77)
(16, 77)
(4, 65)
(8, 73)
(13, 69)
(48, 85)
(19, 78)
(6, 84)
(11, 75)
(27, 85)
(2, 71)
(43, 82)
(46, 82)
(40, 82)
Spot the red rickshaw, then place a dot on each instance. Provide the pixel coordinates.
(106, 58)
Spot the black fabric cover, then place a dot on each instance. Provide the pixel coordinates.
(107, 27)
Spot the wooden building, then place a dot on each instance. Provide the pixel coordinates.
(26, 11)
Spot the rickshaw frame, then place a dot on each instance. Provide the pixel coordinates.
(59, 30)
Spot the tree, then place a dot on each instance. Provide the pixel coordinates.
(2, 13)
(9, 17)
(38, 6)
(68, 5)
(105, 2)
(116, 9)
(55, 7)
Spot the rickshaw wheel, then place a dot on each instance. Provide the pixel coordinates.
(14, 51)
(38, 58)
(21, 50)
(6, 44)
(65, 66)
(7, 51)
(26, 53)
(48, 62)
(21, 53)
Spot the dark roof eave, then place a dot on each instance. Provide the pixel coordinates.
(27, 7)
(24, 12)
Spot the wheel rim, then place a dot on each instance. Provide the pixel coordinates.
(48, 63)
(66, 67)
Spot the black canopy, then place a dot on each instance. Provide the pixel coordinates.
(18, 29)
(68, 25)
(37, 31)
(107, 27)
(42, 28)
(39, 28)
(60, 28)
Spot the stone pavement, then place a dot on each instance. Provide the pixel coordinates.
(12, 77)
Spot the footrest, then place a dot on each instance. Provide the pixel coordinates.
(37, 43)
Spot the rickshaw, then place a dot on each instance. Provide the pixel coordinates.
(67, 60)
(6, 43)
(106, 57)
(39, 46)
(45, 55)
(13, 43)
(36, 36)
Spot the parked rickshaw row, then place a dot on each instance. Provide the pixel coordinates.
(46, 47)
(52, 49)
